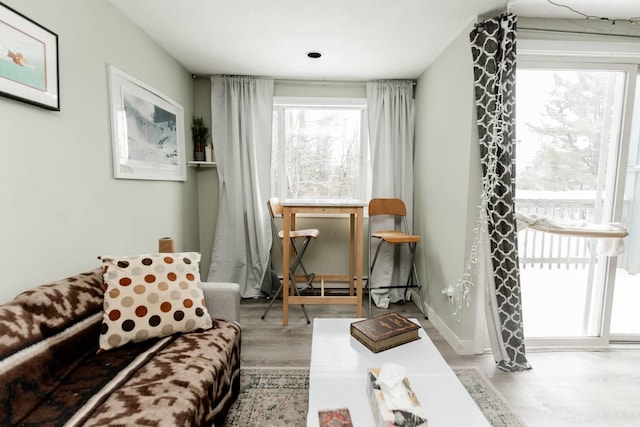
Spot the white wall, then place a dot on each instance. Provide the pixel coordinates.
(208, 183)
(447, 184)
(60, 205)
(318, 89)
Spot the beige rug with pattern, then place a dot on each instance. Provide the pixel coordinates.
(276, 397)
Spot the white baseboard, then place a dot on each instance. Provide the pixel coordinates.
(461, 347)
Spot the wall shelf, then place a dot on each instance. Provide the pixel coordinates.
(195, 164)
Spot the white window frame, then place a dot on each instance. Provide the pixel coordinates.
(360, 104)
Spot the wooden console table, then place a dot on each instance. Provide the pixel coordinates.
(355, 210)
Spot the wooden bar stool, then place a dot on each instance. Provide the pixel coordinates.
(398, 236)
(275, 209)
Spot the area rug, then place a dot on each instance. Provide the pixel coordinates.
(275, 397)
(494, 407)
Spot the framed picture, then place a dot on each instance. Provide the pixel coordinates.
(28, 60)
(147, 131)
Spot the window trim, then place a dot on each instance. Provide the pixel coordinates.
(540, 45)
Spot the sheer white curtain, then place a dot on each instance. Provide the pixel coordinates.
(242, 110)
(390, 109)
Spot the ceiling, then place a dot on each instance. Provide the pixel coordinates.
(358, 39)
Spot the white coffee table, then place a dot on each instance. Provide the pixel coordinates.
(338, 377)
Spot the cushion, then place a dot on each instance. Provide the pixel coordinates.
(151, 295)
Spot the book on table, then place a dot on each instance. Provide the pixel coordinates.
(385, 331)
(335, 417)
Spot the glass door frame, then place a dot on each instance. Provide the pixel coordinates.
(631, 127)
(617, 164)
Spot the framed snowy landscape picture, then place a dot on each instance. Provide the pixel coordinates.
(147, 130)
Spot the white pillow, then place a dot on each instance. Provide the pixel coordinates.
(152, 295)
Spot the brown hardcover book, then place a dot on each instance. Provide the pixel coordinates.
(335, 417)
(384, 331)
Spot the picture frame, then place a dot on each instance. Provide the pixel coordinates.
(29, 70)
(147, 131)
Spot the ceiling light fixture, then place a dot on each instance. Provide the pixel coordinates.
(314, 54)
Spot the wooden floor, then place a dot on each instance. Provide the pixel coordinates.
(571, 388)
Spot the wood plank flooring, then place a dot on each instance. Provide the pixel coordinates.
(570, 388)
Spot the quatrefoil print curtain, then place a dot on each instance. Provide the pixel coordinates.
(494, 55)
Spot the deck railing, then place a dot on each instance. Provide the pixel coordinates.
(540, 249)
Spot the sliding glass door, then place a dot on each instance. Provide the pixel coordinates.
(625, 315)
(572, 134)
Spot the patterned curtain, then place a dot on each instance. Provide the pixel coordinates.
(493, 46)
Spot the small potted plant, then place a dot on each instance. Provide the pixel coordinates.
(199, 133)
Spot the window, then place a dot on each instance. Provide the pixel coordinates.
(320, 149)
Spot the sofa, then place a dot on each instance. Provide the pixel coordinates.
(54, 372)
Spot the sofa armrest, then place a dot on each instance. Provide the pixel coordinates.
(223, 300)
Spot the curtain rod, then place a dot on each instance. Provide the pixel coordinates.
(587, 33)
(332, 82)
(313, 82)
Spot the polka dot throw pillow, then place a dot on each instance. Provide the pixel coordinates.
(150, 296)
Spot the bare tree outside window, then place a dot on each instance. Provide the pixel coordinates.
(318, 152)
(572, 128)
(568, 129)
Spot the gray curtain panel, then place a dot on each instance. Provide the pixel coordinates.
(390, 108)
(242, 112)
(493, 46)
